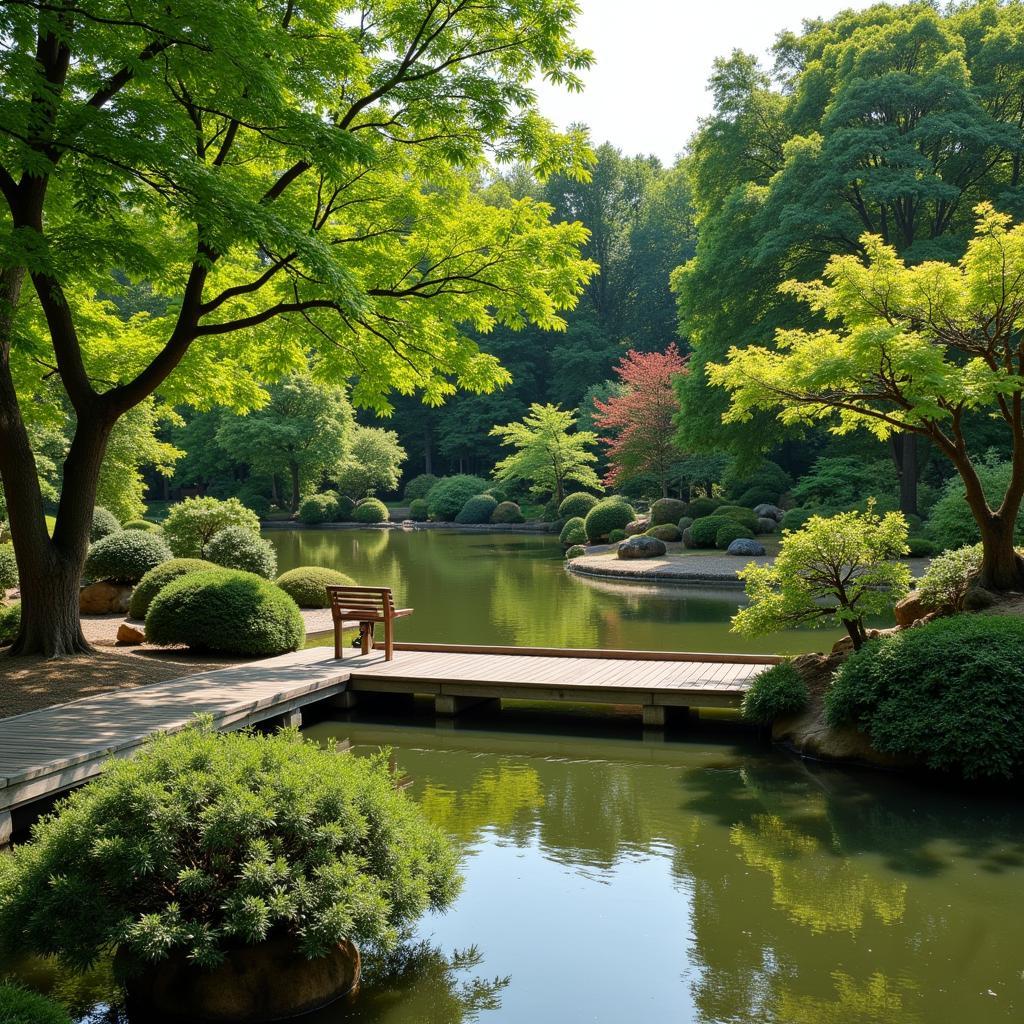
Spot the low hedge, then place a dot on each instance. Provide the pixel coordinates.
(616, 535)
(125, 556)
(574, 532)
(143, 524)
(777, 691)
(921, 547)
(307, 584)
(795, 518)
(726, 534)
(704, 530)
(746, 516)
(667, 511)
(156, 579)
(104, 523)
(8, 568)
(667, 532)
(235, 547)
(607, 515)
(419, 486)
(758, 495)
(575, 551)
(10, 622)
(450, 493)
(318, 508)
(701, 507)
(477, 510)
(225, 611)
(370, 511)
(507, 512)
(20, 1006)
(418, 510)
(579, 503)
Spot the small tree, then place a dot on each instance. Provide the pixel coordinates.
(549, 451)
(640, 418)
(374, 462)
(192, 524)
(837, 570)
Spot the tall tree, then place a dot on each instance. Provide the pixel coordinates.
(373, 462)
(291, 176)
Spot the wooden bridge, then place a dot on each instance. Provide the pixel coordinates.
(46, 752)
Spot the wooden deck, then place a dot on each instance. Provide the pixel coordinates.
(46, 752)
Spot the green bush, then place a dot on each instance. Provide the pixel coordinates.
(477, 510)
(951, 524)
(143, 524)
(845, 481)
(205, 840)
(746, 516)
(418, 510)
(607, 515)
(729, 532)
(370, 511)
(344, 507)
(574, 532)
(704, 530)
(156, 579)
(574, 551)
(796, 518)
(949, 576)
(259, 503)
(20, 1006)
(125, 556)
(699, 508)
(8, 568)
(317, 509)
(191, 524)
(668, 532)
(921, 547)
(766, 476)
(307, 585)
(104, 523)
(507, 512)
(775, 692)
(419, 486)
(685, 523)
(949, 693)
(10, 622)
(616, 535)
(450, 493)
(667, 511)
(235, 547)
(226, 611)
(758, 495)
(579, 503)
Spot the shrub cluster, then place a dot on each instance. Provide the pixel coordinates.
(143, 524)
(318, 508)
(579, 503)
(419, 486)
(668, 532)
(307, 585)
(104, 523)
(775, 692)
(125, 556)
(370, 511)
(449, 494)
(667, 511)
(921, 547)
(418, 510)
(703, 531)
(574, 532)
(574, 551)
(20, 1006)
(345, 506)
(10, 622)
(746, 516)
(767, 481)
(949, 576)
(478, 509)
(616, 535)
(156, 579)
(701, 507)
(729, 532)
(8, 568)
(607, 515)
(235, 547)
(796, 518)
(507, 512)
(191, 524)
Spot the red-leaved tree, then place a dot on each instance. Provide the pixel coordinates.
(639, 421)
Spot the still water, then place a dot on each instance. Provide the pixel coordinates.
(512, 588)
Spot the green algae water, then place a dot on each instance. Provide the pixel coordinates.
(512, 588)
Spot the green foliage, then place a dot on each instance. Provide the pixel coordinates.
(758, 495)
(574, 532)
(766, 476)
(745, 516)
(143, 524)
(307, 585)
(668, 532)
(507, 512)
(450, 493)
(10, 622)
(684, 523)
(225, 611)
(235, 547)
(616, 535)
(574, 551)
(921, 547)
(419, 510)
(838, 483)
(948, 693)
(704, 530)
(731, 531)
(373, 462)
(242, 837)
(701, 507)
(318, 508)
(667, 510)
(579, 503)
(104, 523)
(478, 509)
(949, 576)
(344, 507)
(8, 568)
(20, 1006)
(125, 556)
(836, 570)
(191, 524)
(795, 518)
(156, 579)
(775, 692)
(951, 523)
(370, 511)
(419, 486)
(607, 515)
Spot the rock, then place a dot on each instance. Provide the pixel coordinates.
(666, 532)
(910, 609)
(744, 546)
(104, 598)
(638, 526)
(688, 538)
(766, 525)
(642, 547)
(767, 511)
(129, 636)
(977, 599)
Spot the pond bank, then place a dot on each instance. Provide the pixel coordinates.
(411, 527)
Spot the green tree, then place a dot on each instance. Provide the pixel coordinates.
(549, 451)
(373, 462)
(290, 178)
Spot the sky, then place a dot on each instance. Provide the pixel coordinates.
(646, 91)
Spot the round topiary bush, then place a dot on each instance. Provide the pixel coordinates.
(419, 486)
(616, 535)
(607, 515)
(344, 507)
(156, 579)
(317, 509)
(574, 532)
(143, 524)
(921, 547)
(20, 1006)
(796, 518)
(8, 568)
(191, 524)
(243, 837)
(758, 495)
(370, 511)
(450, 493)
(478, 509)
(948, 694)
(746, 516)
(307, 585)
(729, 532)
(226, 611)
(579, 503)
(667, 511)
(777, 691)
(574, 551)
(125, 556)
(10, 622)
(507, 512)
(104, 523)
(685, 523)
(699, 508)
(418, 510)
(259, 503)
(668, 532)
(704, 530)
(235, 547)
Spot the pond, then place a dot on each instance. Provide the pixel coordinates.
(512, 588)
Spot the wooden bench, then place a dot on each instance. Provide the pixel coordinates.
(367, 606)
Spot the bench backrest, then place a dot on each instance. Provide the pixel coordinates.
(361, 602)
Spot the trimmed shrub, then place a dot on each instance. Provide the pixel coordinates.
(477, 510)
(507, 512)
(921, 547)
(758, 495)
(796, 518)
(704, 530)
(191, 524)
(668, 532)
(766, 476)
(241, 836)
(156, 579)
(344, 507)
(226, 611)
(20, 1006)
(450, 493)
(948, 693)
(616, 535)
(236, 548)
(729, 532)
(104, 523)
(685, 523)
(259, 503)
(579, 503)
(418, 510)
(949, 576)
(10, 622)
(607, 515)
(318, 508)
(701, 507)
(370, 511)
(8, 568)
(746, 516)
(575, 551)
(777, 691)
(419, 486)
(574, 532)
(307, 584)
(125, 556)
(667, 511)
(143, 524)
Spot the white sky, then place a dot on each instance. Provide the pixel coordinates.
(646, 90)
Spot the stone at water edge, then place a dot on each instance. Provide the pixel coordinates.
(104, 598)
(744, 546)
(910, 609)
(129, 636)
(638, 526)
(642, 547)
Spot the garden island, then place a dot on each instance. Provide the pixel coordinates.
(462, 561)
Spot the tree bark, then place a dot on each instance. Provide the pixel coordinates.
(296, 485)
(904, 454)
(1002, 568)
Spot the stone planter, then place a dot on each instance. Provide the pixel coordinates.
(268, 982)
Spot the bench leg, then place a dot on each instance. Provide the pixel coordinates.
(389, 640)
(339, 651)
(366, 636)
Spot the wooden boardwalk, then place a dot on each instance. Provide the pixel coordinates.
(46, 752)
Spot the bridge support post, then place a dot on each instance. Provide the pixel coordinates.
(447, 704)
(344, 701)
(6, 827)
(654, 716)
(285, 720)
(657, 716)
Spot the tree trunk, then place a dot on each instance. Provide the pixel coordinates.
(1001, 567)
(904, 454)
(428, 445)
(855, 627)
(296, 486)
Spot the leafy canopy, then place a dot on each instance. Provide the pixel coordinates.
(373, 462)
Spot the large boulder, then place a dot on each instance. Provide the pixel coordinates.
(104, 598)
(910, 609)
(642, 546)
(768, 511)
(745, 546)
(766, 525)
(638, 526)
(977, 599)
(129, 636)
